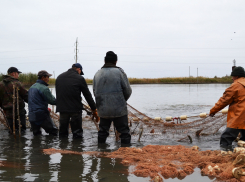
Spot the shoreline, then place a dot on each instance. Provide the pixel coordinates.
(28, 79)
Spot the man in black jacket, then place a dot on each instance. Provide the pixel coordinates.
(69, 86)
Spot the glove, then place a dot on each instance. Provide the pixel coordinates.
(212, 114)
(95, 115)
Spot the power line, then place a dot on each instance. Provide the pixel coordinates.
(36, 56)
(158, 47)
(121, 55)
(167, 48)
(136, 62)
(35, 49)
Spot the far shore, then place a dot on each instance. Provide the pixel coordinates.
(28, 79)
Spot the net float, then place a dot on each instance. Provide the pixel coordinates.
(203, 115)
(183, 117)
(224, 111)
(169, 118)
(157, 118)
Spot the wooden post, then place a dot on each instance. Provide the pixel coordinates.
(18, 110)
(14, 111)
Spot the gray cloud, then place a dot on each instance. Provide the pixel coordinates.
(152, 38)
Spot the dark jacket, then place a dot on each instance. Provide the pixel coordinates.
(111, 90)
(39, 97)
(69, 86)
(6, 95)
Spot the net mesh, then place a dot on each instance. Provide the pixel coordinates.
(143, 126)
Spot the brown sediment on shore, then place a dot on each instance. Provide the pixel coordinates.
(161, 162)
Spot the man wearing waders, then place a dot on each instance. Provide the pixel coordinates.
(39, 97)
(111, 90)
(6, 99)
(234, 96)
(69, 86)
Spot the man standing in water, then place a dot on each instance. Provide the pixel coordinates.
(6, 98)
(234, 96)
(112, 89)
(69, 86)
(39, 97)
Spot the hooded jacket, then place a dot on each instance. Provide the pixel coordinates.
(39, 97)
(69, 86)
(6, 95)
(234, 96)
(111, 90)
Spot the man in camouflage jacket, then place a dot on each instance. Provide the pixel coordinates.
(6, 98)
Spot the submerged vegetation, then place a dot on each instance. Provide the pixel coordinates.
(30, 78)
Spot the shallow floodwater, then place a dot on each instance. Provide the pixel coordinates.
(24, 161)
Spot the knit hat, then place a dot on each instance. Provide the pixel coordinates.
(238, 71)
(110, 57)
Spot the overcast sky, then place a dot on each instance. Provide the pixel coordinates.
(151, 38)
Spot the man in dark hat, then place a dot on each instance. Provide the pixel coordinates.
(6, 98)
(69, 86)
(39, 97)
(234, 96)
(112, 90)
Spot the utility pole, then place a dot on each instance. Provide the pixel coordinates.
(76, 50)
(197, 75)
(189, 72)
(234, 64)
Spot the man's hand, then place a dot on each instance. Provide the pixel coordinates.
(95, 115)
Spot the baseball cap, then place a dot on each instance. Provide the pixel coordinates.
(13, 69)
(43, 73)
(77, 65)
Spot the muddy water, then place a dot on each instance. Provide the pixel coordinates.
(23, 159)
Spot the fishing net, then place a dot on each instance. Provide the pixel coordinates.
(161, 162)
(143, 126)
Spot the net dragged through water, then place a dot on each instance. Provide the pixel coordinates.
(143, 126)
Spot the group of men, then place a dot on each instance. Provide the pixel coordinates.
(111, 89)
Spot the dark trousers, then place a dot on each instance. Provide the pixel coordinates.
(22, 121)
(121, 125)
(229, 135)
(75, 120)
(48, 125)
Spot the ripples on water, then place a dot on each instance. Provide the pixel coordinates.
(23, 159)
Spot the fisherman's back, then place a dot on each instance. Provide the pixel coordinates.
(6, 94)
(39, 96)
(111, 90)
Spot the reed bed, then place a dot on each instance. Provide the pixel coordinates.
(178, 80)
(29, 78)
